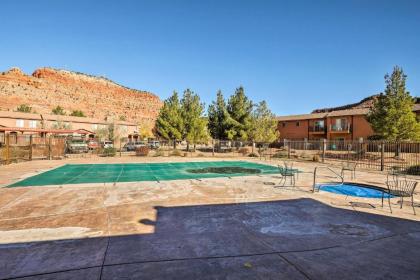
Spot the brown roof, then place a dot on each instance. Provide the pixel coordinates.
(350, 112)
(302, 117)
(30, 116)
(54, 131)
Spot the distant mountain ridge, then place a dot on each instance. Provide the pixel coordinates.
(97, 97)
(364, 103)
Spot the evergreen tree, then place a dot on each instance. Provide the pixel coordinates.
(194, 129)
(218, 118)
(264, 125)
(169, 123)
(391, 116)
(239, 108)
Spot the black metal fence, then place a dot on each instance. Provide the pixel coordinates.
(375, 155)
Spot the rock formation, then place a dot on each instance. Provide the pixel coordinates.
(97, 97)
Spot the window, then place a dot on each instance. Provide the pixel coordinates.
(283, 124)
(340, 124)
(297, 123)
(33, 124)
(20, 123)
(319, 123)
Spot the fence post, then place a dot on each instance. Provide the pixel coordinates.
(50, 147)
(324, 148)
(30, 147)
(212, 142)
(120, 147)
(382, 156)
(7, 148)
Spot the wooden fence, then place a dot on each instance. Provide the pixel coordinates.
(16, 148)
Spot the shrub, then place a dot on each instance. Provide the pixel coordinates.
(280, 155)
(253, 155)
(176, 153)
(244, 151)
(58, 111)
(78, 113)
(413, 170)
(159, 153)
(142, 151)
(24, 108)
(315, 158)
(200, 155)
(109, 152)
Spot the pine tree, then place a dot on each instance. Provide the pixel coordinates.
(218, 117)
(192, 115)
(239, 123)
(264, 125)
(391, 116)
(169, 123)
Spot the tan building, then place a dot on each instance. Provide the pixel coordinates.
(348, 124)
(44, 125)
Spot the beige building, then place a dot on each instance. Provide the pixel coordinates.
(44, 125)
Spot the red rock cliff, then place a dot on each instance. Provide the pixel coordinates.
(96, 96)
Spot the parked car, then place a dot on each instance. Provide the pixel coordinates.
(154, 144)
(76, 145)
(93, 145)
(131, 146)
(107, 144)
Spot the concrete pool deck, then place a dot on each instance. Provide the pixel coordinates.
(243, 227)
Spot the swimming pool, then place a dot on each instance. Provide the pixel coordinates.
(358, 190)
(132, 172)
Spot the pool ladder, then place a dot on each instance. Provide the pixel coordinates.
(315, 186)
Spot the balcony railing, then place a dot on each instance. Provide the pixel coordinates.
(340, 128)
(317, 129)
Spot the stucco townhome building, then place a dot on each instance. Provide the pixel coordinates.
(18, 123)
(348, 124)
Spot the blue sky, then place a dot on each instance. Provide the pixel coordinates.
(297, 55)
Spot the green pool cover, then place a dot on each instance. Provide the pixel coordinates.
(132, 172)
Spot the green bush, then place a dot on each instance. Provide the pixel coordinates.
(109, 152)
(253, 155)
(413, 170)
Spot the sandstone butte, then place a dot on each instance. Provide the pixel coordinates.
(97, 97)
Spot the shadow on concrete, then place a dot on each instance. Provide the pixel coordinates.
(289, 239)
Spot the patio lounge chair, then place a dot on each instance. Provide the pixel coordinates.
(400, 188)
(349, 166)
